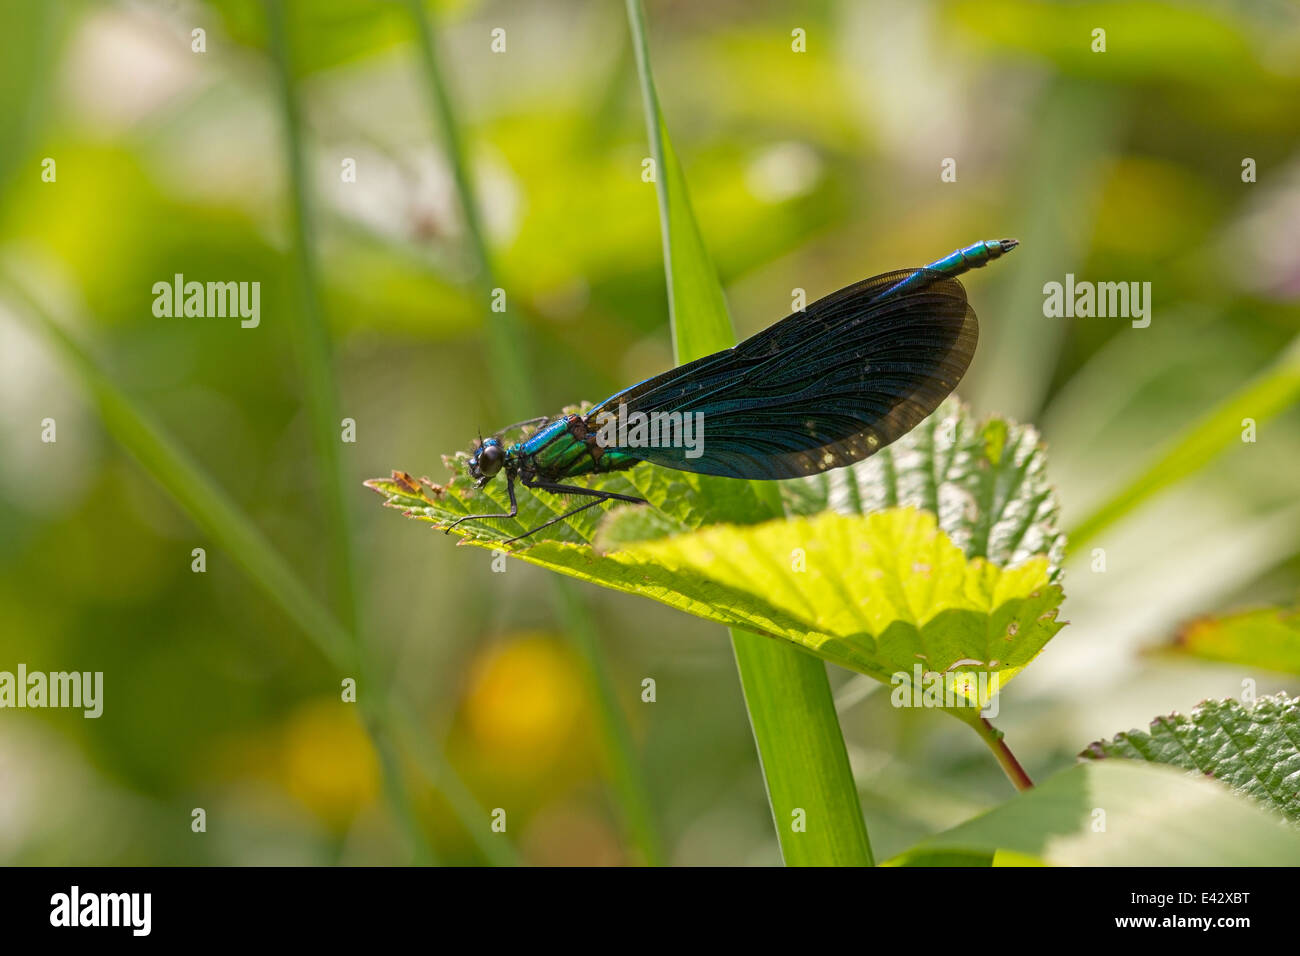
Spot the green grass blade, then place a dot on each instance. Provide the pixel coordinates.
(516, 398)
(192, 488)
(801, 749)
(513, 385)
(787, 693)
(1267, 637)
(433, 765)
(212, 510)
(624, 768)
(1269, 393)
(1057, 187)
(311, 336)
(697, 309)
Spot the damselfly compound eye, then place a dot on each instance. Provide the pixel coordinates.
(490, 458)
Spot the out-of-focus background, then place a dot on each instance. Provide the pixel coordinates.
(807, 169)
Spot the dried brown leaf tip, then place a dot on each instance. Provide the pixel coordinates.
(405, 482)
(399, 485)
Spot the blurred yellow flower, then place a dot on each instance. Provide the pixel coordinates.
(526, 708)
(327, 761)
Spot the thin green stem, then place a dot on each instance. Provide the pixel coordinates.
(620, 753)
(395, 790)
(997, 743)
(311, 337)
(443, 778)
(317, 363)
(198, 495)
(806, 771)
(659, 153)
(513, 383)
(805, 764)
(1056, 192)
(1262, 398)
(213, 511)
(311, 334)
(516, 398)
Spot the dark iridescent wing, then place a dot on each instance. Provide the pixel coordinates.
(821, 388)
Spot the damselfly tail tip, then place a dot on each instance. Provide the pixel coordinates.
(1008, 244)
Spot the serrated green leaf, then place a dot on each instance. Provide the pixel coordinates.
(968, 585)
(1264, 637)
(986, 482)
(879, 593)
(1119, 813)
(680, 501)
(1254, 750)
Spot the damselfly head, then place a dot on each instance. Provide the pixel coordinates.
(488, 458)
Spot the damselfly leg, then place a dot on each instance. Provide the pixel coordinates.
(555, 489)
(600, 496)
(514, 508)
